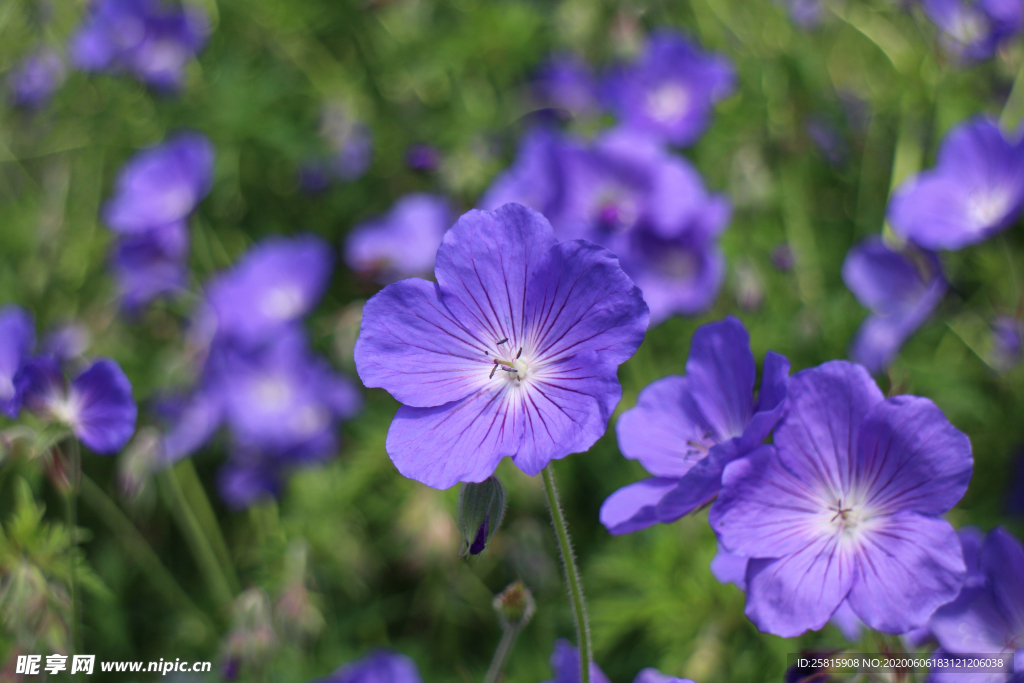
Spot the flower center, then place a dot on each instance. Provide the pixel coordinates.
(516, 368)
(968, 27)
(283, 303)
(667, 103)
(64, 409)
(6, 389)
(988, 207)
(272, 393)
(847, 517)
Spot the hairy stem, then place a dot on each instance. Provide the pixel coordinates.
(508, 639)
(572, 576)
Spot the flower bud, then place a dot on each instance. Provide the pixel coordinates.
(514, 605)
(481, 509)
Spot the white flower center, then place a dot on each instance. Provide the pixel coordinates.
(668, 103)
(310, 420)
(987, 207)
(283, 303)
(514, 368)
(968, 26)
(6, 389)
(847, 517)
(64, 409)
(272, 393)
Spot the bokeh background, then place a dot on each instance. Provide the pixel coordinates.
(831, 110)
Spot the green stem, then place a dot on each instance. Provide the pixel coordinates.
(72, 503)
(203, 551)
(508, 640)
(139, 550)
(197, 499)
(571, 574)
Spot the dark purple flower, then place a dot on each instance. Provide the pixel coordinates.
(151, 40)
(685, 429)
(151, 264)
(670, 91)
(566, 82)
(380, 666)
(422, 157)
(97, 405)
(276, 283)
(974, 29)
(161, 185)
(512, 353)
(846, 506)
(565, 664)
(17, 339)
(988, 615)
(975, 190)
(401, 243)
(33, 81)
(901, 289)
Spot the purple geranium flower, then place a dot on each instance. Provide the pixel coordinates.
(535, 178)
(150, 264)
(685, 430)
(161, 185)
(145, 37)
(276, 283)
(33, 81)
(380, 666)
(565, 664)
(566, 82)
(900, 288)
(97, 405)
(988, 616)
(669, 93)
(17, 338)
(846, 506)
(402, 243)
(974, 29)
(975, 190)
(512, 353)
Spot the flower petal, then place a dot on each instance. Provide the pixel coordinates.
(771, 400)
(910, 458)
(413, 346)
(907, 567)
(721, 371)
(105, 410)
(17, 337)
(631, 508)
(700, 484)
(729, 568)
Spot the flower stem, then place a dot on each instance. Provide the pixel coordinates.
(75, 476)
(198, 501)
(508, 639)
(1013, 110)
(571, 574)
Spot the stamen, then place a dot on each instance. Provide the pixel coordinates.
(502, 341)
(520, 353)
(493, 370)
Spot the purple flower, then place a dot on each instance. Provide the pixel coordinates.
(97, 405)
(1007, 341)
(422, 157)
(565, 664)
(17, 338)
(34, 80)
(900, 288)
(988, 615)
(66, 342)
(512, 353)
(402, 243)
(670, 92)
(161, 185)
(350, 141)
(805, 13)
(846, 506)
(566, 82)
(974, 29)
(151, 40)
(535, 179)
(275, 284)
(151, 264)
(975, 190)
(685, 430)
(380, 666)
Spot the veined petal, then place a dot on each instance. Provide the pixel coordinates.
(413, 346)
(908, 565)
(484, 265)
(911, 458)
(632, 507)
(721, 371)
(579, 300)
(104, 410)
(700, 484)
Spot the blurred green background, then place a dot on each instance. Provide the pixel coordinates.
(382, 550)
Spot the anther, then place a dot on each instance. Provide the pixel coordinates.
(502, 341)
(520, 353)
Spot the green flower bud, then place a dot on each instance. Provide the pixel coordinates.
(481, 509)
(514, 605)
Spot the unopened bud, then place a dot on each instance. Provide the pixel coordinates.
(481, 509)
(514, 605)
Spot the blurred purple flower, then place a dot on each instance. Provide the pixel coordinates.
(988, 615)
(900, 289)
(846, 506)
(805, 13)
(17, 339)
(566, 82)
(670, 92)
(350, 142)
(974, 29)
(151, 263)
(97, 405)
(1007, 341)
(33, 81)
(403, 242)
(66, 342)
(565, 664)
(151, 40)
(380, 666)
(276, 283)
(161, 185)
(975, 190)
(513, 352)
(827, 139)
(684, 430)
(422, 157)
(535, 179)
